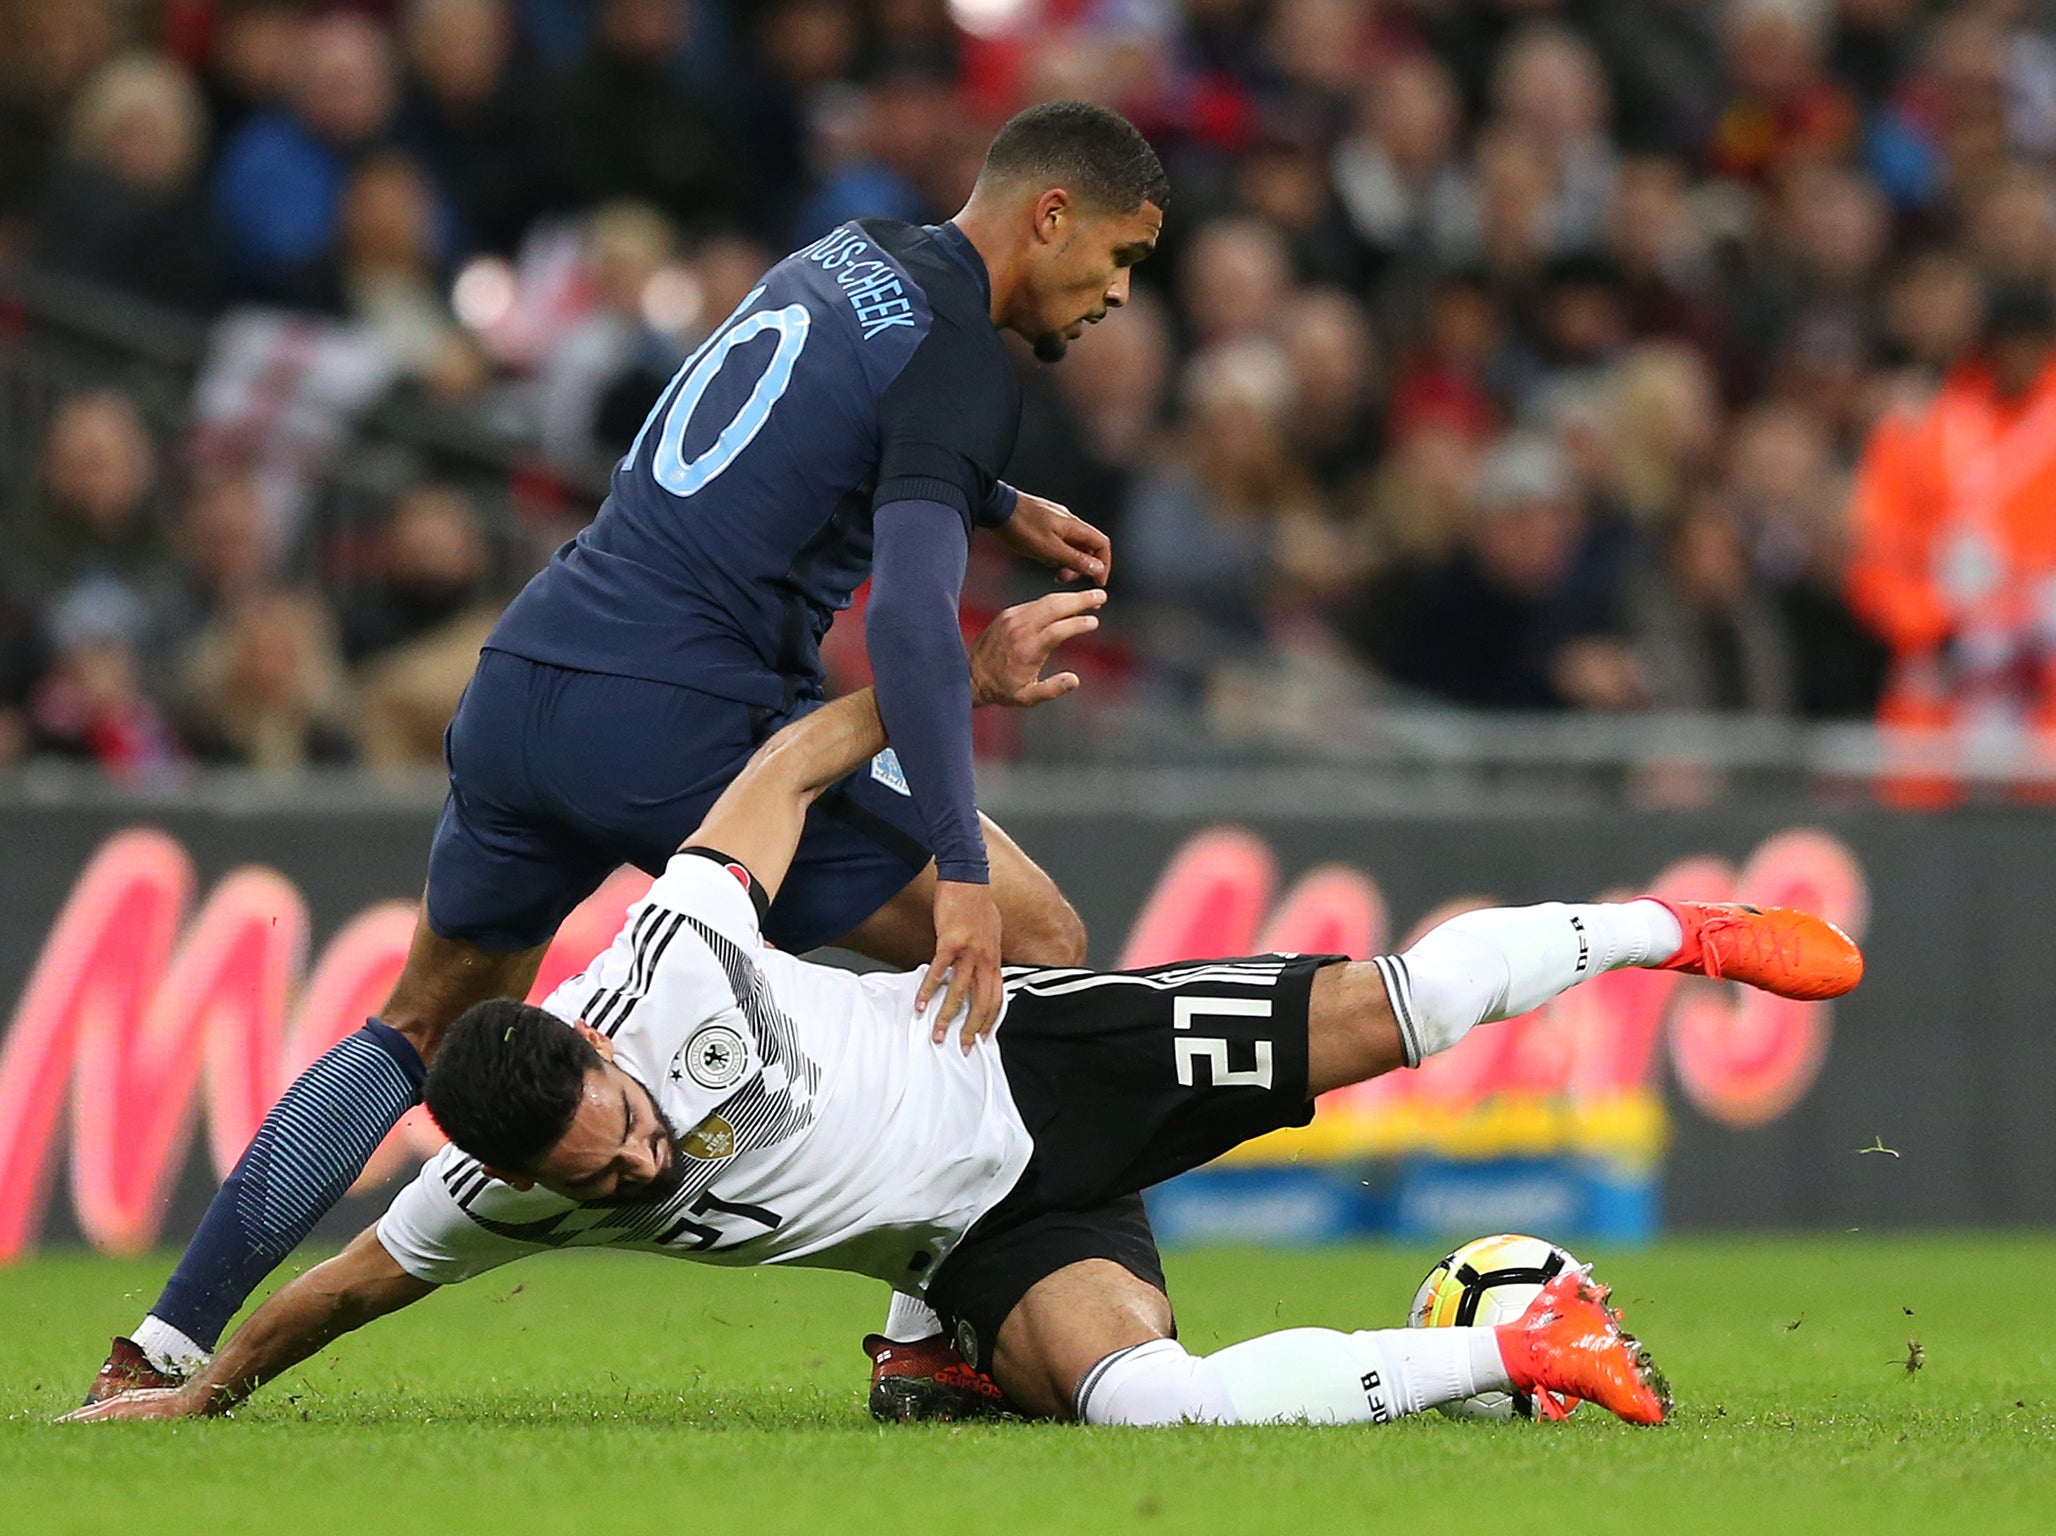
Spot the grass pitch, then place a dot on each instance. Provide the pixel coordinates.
(596, 1392)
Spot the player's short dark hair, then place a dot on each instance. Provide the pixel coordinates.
(1096, 155)
(506, 1082)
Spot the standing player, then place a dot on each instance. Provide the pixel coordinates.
(849, 420)
(697, 1094)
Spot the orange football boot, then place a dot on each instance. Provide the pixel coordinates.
(1569, 1344)
(1780, 949)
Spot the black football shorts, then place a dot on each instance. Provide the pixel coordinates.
(1124, 1079)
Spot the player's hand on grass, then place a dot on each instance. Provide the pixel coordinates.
(1043, 530)
(1008, 658)
(142, 1403)
(967, 950)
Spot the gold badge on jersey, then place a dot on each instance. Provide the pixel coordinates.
(711, 1140)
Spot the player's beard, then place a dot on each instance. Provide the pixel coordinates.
(665, 1184)
(1051, 347)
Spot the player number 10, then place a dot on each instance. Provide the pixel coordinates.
(672, 470)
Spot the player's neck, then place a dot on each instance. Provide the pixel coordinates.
(985, 228)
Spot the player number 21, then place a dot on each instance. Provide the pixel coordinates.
(1189, 1050)
(673, 471)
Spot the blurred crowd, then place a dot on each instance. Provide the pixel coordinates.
(1521, 354)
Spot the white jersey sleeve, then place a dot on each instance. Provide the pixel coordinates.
(429, 1235)
(718, 891)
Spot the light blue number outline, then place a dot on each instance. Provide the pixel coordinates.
(664, 398)
(668, 465)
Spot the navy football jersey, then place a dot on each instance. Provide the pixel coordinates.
(863, 370)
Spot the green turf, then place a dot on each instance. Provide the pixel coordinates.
(593, 1392)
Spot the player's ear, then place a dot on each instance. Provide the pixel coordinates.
(595, 1039)
(1052, 215)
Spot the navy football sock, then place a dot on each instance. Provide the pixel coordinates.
(310, 1149)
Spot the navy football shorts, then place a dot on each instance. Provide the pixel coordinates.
(559, 776)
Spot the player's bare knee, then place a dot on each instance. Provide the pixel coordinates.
(1351, 1033)
(1068, 1322)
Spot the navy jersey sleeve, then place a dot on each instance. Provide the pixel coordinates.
(999, 506)
(923, 677)
(946, 424)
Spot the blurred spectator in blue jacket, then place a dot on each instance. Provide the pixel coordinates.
(279, 185)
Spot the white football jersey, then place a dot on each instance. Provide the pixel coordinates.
(822, 1126)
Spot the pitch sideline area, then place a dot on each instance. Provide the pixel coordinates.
(596, 1392)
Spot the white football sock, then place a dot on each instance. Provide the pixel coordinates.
(909, 1320)
(1501, 962)
(168, 1349)
(1300, 1376)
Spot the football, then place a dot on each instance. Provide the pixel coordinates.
(1486, 1282)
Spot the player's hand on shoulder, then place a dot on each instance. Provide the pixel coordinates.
(966, 959)
(140, 1403)
(1008, 658)
(1049, 532)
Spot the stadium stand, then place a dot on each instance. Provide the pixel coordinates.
(1515, 355)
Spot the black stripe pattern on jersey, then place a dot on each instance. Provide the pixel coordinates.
(770, 1108)
(464, 1178)
(650, 937)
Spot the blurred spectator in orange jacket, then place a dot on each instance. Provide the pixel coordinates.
(1954, 560)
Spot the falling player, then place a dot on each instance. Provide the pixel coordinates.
(849, 420)
(699, 1094)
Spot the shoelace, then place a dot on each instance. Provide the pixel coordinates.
(1711, 928)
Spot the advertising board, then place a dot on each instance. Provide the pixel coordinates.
(169, 974)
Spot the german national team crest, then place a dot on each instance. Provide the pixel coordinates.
(715, 1057)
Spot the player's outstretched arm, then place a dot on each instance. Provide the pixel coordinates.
(758, 818)
(359, 1284)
